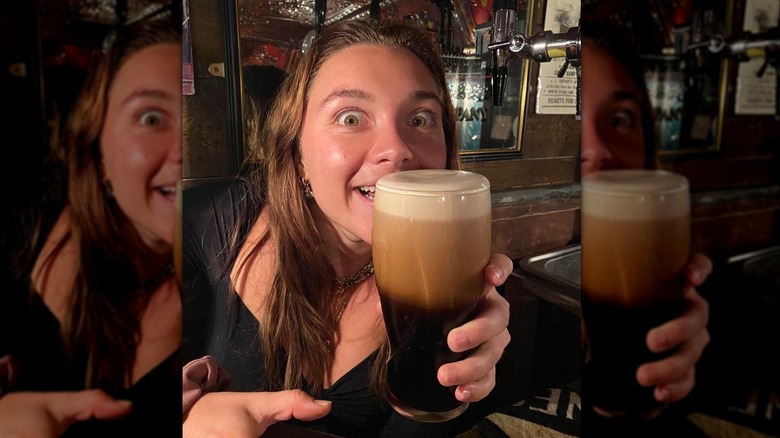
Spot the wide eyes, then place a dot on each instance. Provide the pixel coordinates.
(623, 119)
(151, 119)
(419, 119)
(423, 119)
(350, 118)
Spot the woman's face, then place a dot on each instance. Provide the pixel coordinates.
(612, 136)
(141, 140)
(372, 110)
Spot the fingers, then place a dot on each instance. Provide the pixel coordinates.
(677, 390)
(499, 268)
(698, 269)
(249, 414)
(475, 375)
(284, 405)
(679, 330)
(674, 376)
(67, 407)
(492, 320)
(478, 389)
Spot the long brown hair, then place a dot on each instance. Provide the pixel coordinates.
(108, 295)
(299, 313)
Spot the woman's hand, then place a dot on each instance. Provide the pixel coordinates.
(49, 414)
(674, 376)
(249, 414)
(475, 375)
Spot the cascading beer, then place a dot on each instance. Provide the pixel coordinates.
(635, 245)
(431, 243)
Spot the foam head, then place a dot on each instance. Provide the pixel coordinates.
(635, 195)
(435, 194)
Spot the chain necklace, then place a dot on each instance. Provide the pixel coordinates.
(344, 283)
(342, 295)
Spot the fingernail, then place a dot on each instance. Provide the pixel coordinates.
(323, 402)
(660, 342)
(125, 402)
(465, 395)
(662, 394)
(461, 340)
(498, 272)
(450, 376)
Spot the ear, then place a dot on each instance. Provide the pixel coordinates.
(102, 174)
(302, 170)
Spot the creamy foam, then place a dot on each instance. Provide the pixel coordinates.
(460, 194)
(638, 195)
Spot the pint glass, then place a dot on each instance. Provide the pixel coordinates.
(635, 245)
(431, 244)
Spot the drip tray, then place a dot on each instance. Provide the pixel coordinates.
(760, 269)
(554, 276)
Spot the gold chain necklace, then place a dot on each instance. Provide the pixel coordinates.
(344, 283)
(342, 296)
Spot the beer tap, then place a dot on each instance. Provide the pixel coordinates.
(749, 46)
(503, 29)
(541, 47)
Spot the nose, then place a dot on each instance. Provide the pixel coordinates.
(392, 146)
(595, 153)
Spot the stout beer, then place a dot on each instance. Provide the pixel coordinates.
(431, 244)
(635, 245)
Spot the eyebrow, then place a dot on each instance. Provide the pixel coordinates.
(414, 96)
(626, 95)
(153, 93)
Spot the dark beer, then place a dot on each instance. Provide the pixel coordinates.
(431, 243)
(635, 244)
(418, 343)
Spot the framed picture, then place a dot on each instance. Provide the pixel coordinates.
(485, 131)
(187, 72)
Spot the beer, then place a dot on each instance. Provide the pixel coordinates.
(635, 245)
(431, 243)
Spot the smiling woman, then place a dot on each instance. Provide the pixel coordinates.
(103, 326)
(289, 262)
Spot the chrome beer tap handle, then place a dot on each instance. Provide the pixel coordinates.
(749, 46)
(541, 47)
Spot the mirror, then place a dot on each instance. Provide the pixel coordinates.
(271, 35)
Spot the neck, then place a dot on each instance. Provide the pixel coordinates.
(347, 255)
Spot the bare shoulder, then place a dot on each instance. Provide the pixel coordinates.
(252, 274)
(55, 267)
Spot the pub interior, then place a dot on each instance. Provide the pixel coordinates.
(718, 123)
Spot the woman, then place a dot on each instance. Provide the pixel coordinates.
(104, 323)
(362, 102)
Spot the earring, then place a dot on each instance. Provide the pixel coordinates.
(307, 193)
(108, 188)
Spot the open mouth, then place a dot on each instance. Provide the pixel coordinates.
(367, 191)
(168, 191)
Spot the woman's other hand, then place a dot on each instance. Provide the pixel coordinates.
(249, 414)
(475, 376)
(674, 376)
(49, 414)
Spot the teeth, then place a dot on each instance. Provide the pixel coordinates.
(168, 190)
(367, 191)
